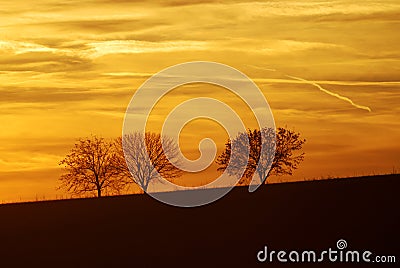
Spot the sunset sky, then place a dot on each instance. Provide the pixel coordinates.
(68, 69)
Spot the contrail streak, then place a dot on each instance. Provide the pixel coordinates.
(320, 88)
(261, 68)
(331, 93)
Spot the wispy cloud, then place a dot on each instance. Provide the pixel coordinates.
(338, 96)
(98, 49)
(315, 8)
(19, 47)
(332, 93)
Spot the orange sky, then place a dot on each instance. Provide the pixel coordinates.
(69, 68)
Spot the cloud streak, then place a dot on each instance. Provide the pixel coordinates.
(99, 49)
(340, 97)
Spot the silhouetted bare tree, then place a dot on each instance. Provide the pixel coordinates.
(284, 161)
(143, 170)
(91, 167)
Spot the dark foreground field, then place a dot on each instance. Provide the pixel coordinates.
(137, 231)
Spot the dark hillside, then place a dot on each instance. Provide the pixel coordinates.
(138, 231)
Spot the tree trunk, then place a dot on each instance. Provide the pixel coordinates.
(145, 185)
(261, 176)
(99, 192)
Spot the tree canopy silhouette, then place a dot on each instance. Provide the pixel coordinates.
(147, 162)
(285, 160)
(91, 167)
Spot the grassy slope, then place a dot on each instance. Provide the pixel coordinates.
(137, 231)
